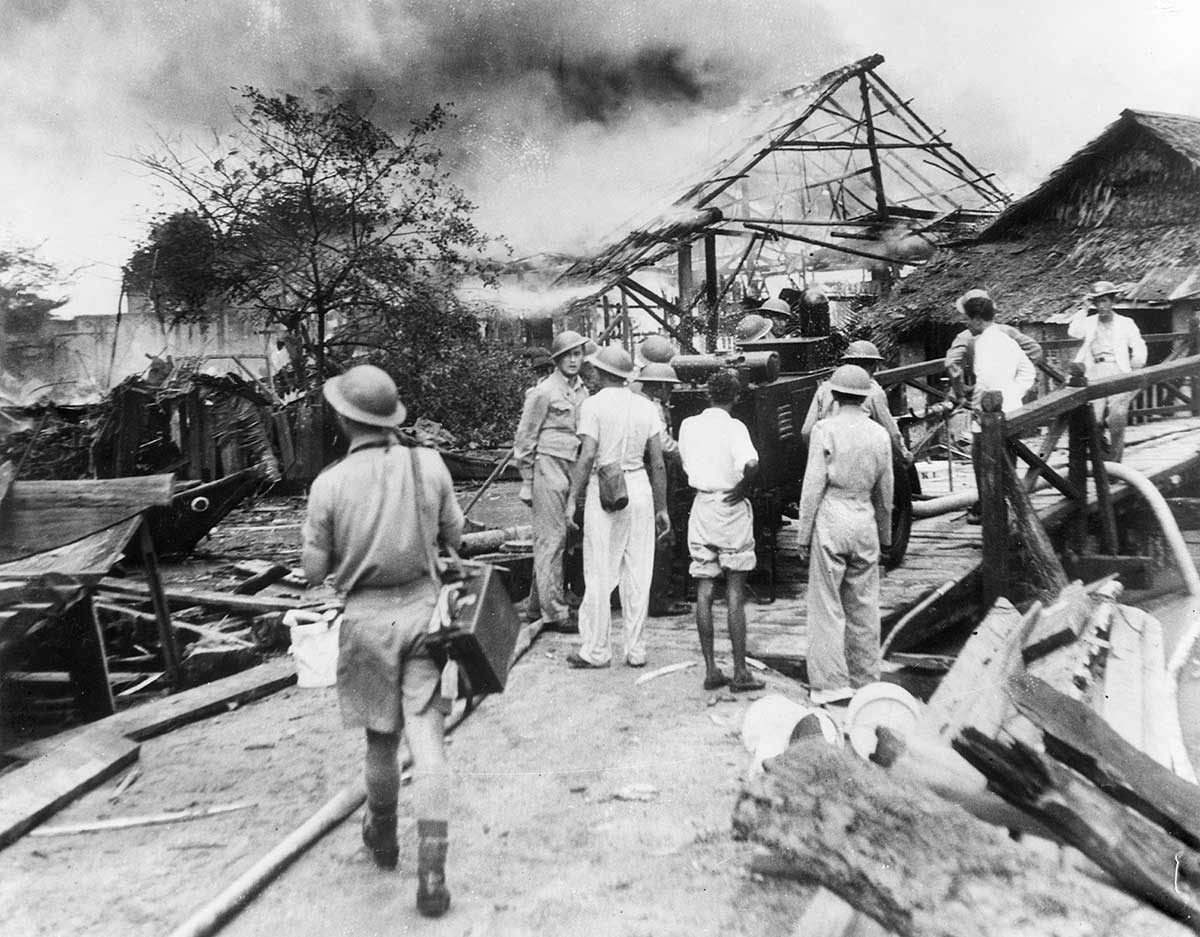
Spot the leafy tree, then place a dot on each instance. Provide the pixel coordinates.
(177, 268)
(25, 279)
(316, 211)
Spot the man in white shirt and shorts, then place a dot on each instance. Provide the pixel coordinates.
(720, 461)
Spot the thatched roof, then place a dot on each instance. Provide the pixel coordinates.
(1124, 208)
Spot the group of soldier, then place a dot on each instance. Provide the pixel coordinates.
(598, 457)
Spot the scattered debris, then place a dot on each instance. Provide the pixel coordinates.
(635, 792)
(663, 671)
(125, 823)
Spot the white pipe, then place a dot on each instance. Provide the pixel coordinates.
(944, 505)
(1166, 520)
(1183, 649)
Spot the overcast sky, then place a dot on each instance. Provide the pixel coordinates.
(559, 102)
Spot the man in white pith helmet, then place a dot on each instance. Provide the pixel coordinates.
(545, 448)
(620, 434)
(374, 521)
(1112, 344)
(865, 355)
(845, 520)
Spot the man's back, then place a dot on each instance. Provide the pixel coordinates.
(363, 511)
(621, 422)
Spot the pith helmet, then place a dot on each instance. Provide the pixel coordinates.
(851, 379)
(657, 372)
(961, 303)
(365, 394)
(753, 327)
(566, 341)
(657, 348)
(1103, 288)
(861, 351)
(777, 307)
(614, 360)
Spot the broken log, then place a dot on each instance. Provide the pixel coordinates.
(919, 866)
(262, 578)
(225, 601)
(1141, 856)
(489, 541)
(1078, 737)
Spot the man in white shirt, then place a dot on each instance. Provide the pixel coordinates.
(1000, 364)
(617, 426)
(1112, 344)
(720, 461)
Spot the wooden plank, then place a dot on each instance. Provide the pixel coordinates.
(30, 794)
(1043, 410)
(88, 558)
(1135, 572)
(225, 601)
(1124, 692)
(972, 693)
(171, 712)
(1160, 717)
(263, 578)
(1059, 624)
(89, 667)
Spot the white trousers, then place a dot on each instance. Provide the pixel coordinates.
(618, 550)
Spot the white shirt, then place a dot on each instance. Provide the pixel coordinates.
(715, 449)
(621, 422)
(1126, 345)
(1001, 365)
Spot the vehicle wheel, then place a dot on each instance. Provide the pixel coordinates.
(906, 483)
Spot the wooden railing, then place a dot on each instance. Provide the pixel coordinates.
(1002, 444)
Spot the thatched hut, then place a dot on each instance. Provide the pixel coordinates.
(1125, 208)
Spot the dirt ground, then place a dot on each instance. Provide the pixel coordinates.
(585, 804)
(549, 834)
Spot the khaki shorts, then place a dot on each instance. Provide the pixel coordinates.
(720, 536)
(384, 668)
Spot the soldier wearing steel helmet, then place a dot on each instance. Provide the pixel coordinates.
(545, 448)
(374, 519)
(844, 522)
(865, 355)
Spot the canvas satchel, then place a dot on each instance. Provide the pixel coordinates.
(610, 477)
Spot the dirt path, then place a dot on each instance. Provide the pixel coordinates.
(541, 841)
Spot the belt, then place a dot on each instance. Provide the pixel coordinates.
(713, 491)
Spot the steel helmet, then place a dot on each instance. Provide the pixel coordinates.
(752, 327)
(365, 394)
(658, 372)
(657, 348)
(777, 307)
(1103, 288)
(614, 360)
(566, 341)
(851, 379)
(861, 351)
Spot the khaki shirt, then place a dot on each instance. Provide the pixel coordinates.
(549, 421)
(876, 406)
(362, 512)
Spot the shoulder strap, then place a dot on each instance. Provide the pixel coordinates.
(426, 540)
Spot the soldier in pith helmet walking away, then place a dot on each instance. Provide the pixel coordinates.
(374, 519)
(1112, 344)
(845, 521)
(545, 448)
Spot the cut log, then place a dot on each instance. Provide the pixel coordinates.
(919, 866)
(37, 790)
(263, 578)
(1077, 736)
(1141, 856)
(1060, 624)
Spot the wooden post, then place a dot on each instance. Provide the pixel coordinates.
(606, 306)
(876, 172)
(1108, 517)
(1039, 557)
(89, 667)
(686, 288)
(711, 293)
(992, 504)
(1077, 465)
(1194, 349)
(162, 613)
(626, 324)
